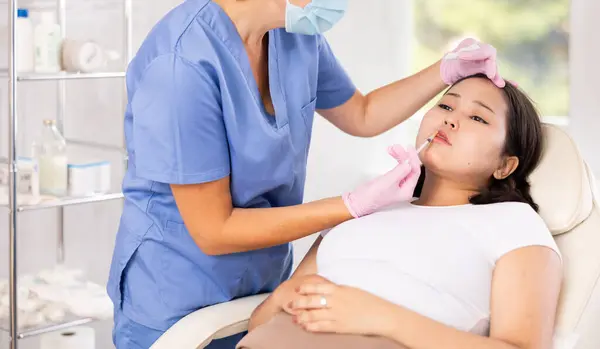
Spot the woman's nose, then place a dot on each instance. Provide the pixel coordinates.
(451, 123)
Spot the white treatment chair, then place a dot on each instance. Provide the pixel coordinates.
(564, 188)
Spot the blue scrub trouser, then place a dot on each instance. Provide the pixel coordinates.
(128, 334)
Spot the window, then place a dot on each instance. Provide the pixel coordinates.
(531, 37)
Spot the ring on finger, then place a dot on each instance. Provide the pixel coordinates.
(323, 302)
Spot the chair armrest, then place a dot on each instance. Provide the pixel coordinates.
(199, 328)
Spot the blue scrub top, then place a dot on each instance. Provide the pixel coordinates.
(195, 115)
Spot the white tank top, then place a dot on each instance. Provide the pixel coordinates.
(436, 261)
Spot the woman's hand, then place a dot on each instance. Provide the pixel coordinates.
(468, 58)
(393, 187)
(279, 300)
(326, 307)
(287, 291)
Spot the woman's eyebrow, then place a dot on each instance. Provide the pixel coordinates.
(454, 94)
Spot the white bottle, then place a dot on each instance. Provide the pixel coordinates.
(51, 154)
(47, 44)
(24, 42)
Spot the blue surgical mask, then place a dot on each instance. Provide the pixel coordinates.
(315, 18)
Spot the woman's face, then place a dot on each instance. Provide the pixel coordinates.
(471, 118)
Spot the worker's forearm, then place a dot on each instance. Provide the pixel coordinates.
(390, 105)
(251, 229)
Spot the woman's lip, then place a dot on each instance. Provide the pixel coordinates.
(441, 138)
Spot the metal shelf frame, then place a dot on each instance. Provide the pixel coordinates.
(13, 206)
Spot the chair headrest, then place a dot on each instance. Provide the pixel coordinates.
(562, 184)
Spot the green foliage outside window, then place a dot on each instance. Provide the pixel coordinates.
(531, 37)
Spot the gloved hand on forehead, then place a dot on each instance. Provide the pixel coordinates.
(468, 58)
(393, 187)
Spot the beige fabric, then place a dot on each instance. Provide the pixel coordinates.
(560, 184)
(565, 189)
(282, 333)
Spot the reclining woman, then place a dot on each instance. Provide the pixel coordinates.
(468, 264)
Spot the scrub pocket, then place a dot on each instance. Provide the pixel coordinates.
(133, 228)
(279, 267)
(308, 115)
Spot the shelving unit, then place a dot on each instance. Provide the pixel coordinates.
(47, 202)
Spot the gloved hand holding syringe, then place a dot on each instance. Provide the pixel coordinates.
(423, 145)
(395, 186)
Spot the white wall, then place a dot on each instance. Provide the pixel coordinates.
(584, 56)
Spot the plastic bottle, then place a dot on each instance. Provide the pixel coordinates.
(24, 43)
(47, 44)
(51, 154)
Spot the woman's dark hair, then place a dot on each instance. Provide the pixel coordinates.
(524, 139)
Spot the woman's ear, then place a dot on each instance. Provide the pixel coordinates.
(509, 165)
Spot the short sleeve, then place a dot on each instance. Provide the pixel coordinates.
(520, 227)
(179, 135)
(334, 86)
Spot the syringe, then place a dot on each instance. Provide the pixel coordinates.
(424, 145)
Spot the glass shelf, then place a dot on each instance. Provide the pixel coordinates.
(53, 300)
(63, 76)
(68, 322)
(26, 203)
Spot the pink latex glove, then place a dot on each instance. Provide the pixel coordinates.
(393, 187)
(468, 58)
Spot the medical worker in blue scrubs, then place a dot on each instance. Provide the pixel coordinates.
(222, 95)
